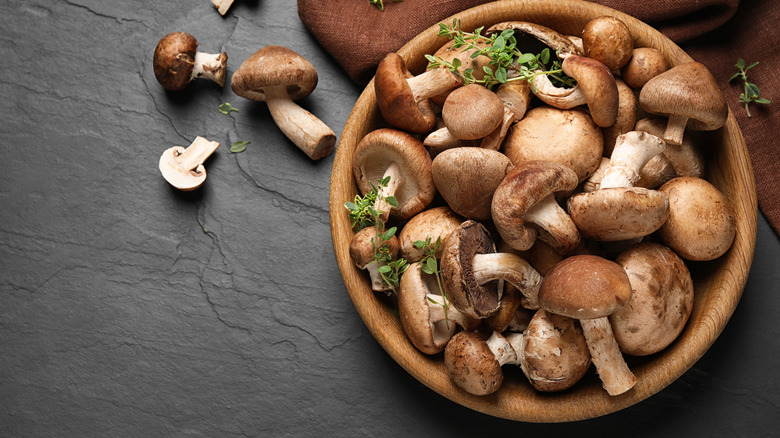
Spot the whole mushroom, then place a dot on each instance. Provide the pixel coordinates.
(363, 249)
(277, 76)
(434, 223)
(645, 63)
(474, 363)
(177, 62)
(608, 40)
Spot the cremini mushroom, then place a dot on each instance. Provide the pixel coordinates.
(568, 137)
(661, 299)
(689, 96)
(277, 76)
(177, 62)
(626, 116)
(449, 52)
(687, 158)
(608, 40)
(469, 266)
(222, 5)
(524, 206)
(474, 363)
(533, 38)
(398, 155)
(590, 288)
(466, 177)
(470, 112)
(701, 224)
(434, 223)
(426, 316)
(598, 87)
(403, 98)
(645, 63)
(183, 168)
(363, 249)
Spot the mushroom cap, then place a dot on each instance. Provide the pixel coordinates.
(554, 353)
(374, 154)
(434, 223)
(661, 299)
(568, 137)
(598, 86)
(472, 112)
(174, 60)
(396, 100)
(523, 187)
(645, 64)
(701, 224)
(466, 177)
(448, 52)
(471, 365)
(585, 287)
(622, 213)
(626, 117)
(361, 247)
(415, 314)
(607, 40)
(688, 90)
(274, 66)
(465, 242)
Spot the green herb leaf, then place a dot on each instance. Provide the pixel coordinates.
(239, 146)
(226, 108)
(751, 93)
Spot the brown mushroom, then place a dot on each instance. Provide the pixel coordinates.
(470, 112)
(598, 87)
(277, 75)
(689, 96)
(590, 288)
(701, 224)
(524, 206)
(403, 98)
(645, 63)
(626, 116)
(183, 168)
(395, 154)
(434, 223)
(177, 62)
(363, 249)
(661, 299)
(448, 53)
(474, 363)
(466, 177)
(607, 40)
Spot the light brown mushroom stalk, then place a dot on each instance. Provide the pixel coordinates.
(438, 312)
(632, 152)
(554, 225)
(183, 168)
(381, 205)
(505, 348)
(210, 66)
(512, 269)
(432, 82)
(222, 5)
(605, 354)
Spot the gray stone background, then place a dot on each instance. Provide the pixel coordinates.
(130, 309)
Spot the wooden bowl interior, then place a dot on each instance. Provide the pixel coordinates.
(718, 284)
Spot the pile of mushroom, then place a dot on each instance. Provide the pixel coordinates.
(566, 223)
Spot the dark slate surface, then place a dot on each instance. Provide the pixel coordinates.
(131, 309)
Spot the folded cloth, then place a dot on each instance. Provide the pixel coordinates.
(714, 32)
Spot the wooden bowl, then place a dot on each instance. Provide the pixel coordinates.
(718, 284)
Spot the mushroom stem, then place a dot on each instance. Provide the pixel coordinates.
(196, 153)
(511, 268)
(502, 349)
(210, 66)
(437, 312)
(377, 284)
(555, 226)
(675, 128)
(441, 139)
(304, 129)
(381, 205)
(633, 150)
(433, 83)
(222, 5)
(606, 356)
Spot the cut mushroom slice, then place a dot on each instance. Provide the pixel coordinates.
(403, 98)
(474, 363)
(661, 299)
(222, 5)
(277, 75)
(362, 250)
(391, 153)
(689, 96)
(183, 168)
(469, 264)
(590, 288)
(177, 62)
(527, 196)
(426, 316)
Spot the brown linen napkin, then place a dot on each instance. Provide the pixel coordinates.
(714, 32)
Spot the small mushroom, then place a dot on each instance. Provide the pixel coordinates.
(362, 250)
(183, 168)
(568, 137)
(449, 52)
(474, 363)
(396, 154)
(470, 112)
(701, 224)
(469, 266)
(661, 299)
(434, 224)
(689, 96)
(608, 40)
(426, 316)
(277, 76)
(554, 354)
(177, 62)
(590, 288)
(466, 177)
(524, 206)
(403, 98)
(222, 5)
(645, 63)
(598, 87)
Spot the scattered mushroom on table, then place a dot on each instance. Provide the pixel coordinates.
(177, 61)
(183, 167)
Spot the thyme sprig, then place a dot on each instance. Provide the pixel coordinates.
(507, 62)
(751, 93)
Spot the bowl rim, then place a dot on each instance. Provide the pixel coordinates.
(717, 293)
